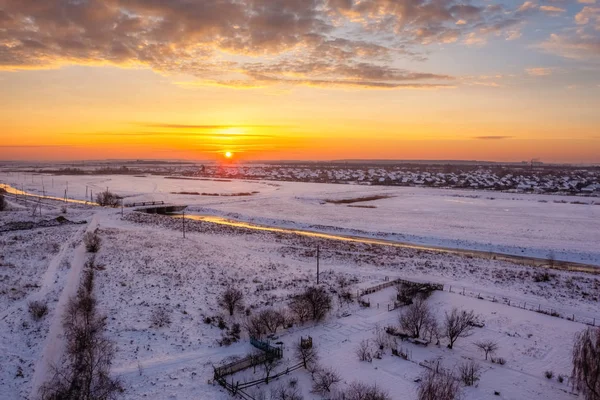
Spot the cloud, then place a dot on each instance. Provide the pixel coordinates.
(221, 42)
(587, 1)
(589, 15)
(526, 7)
(539, 71)
(492, 137)
(202, 127)
(575, 46)
(552, 10)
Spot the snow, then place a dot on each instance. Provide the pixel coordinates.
(529, 225)
(147, 264)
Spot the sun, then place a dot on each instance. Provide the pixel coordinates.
(228, 154)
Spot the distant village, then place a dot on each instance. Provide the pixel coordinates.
(570, 181)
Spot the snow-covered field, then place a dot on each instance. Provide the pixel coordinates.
(146, 264)
(518, 224)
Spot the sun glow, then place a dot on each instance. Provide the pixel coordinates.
(228, 154)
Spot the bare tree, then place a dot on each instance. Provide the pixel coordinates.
(363, 391)
(2, 202)
(255, 327)
(363, 351)
(84, 372)
(271, 319)
(269, 364)
(586, 363)
(470, 372)
(324, 381)
(319, 301)
(432, 330)
(438, 384)
(231, 299)
(92, 241)
(306, 354)
(459, 324)
(300, 308)
(416, 317)
(487, 346)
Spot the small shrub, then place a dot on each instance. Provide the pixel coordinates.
(498, 360)
(438, 384)
(363, 351)
(469, 373)
(92, 241)
(160, 317)
(363, 391)
(549, 374)
(37, 309)
(560, 379)
(541, 277)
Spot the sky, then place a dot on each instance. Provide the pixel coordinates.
(300, 79)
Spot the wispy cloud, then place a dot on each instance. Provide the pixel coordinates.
(539, 71)
(552, 10)
(200, 127)
(492, 137)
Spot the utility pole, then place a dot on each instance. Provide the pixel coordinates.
(183, 222)
(318, 256)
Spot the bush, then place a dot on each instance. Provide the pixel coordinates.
(160, 317)
(37, 309)
(92, 241)
(549, 374)
(470, 372)
(313, 304)
(363, 391)
(498, 360)
(438, 384)
(2, 202)
(286, 393)
(363, 351)
(107, 199)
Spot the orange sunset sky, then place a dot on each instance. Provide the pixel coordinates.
(300, 79)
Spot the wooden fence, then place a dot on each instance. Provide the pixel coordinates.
(252, 360)
(385, 285)
(530, 306)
